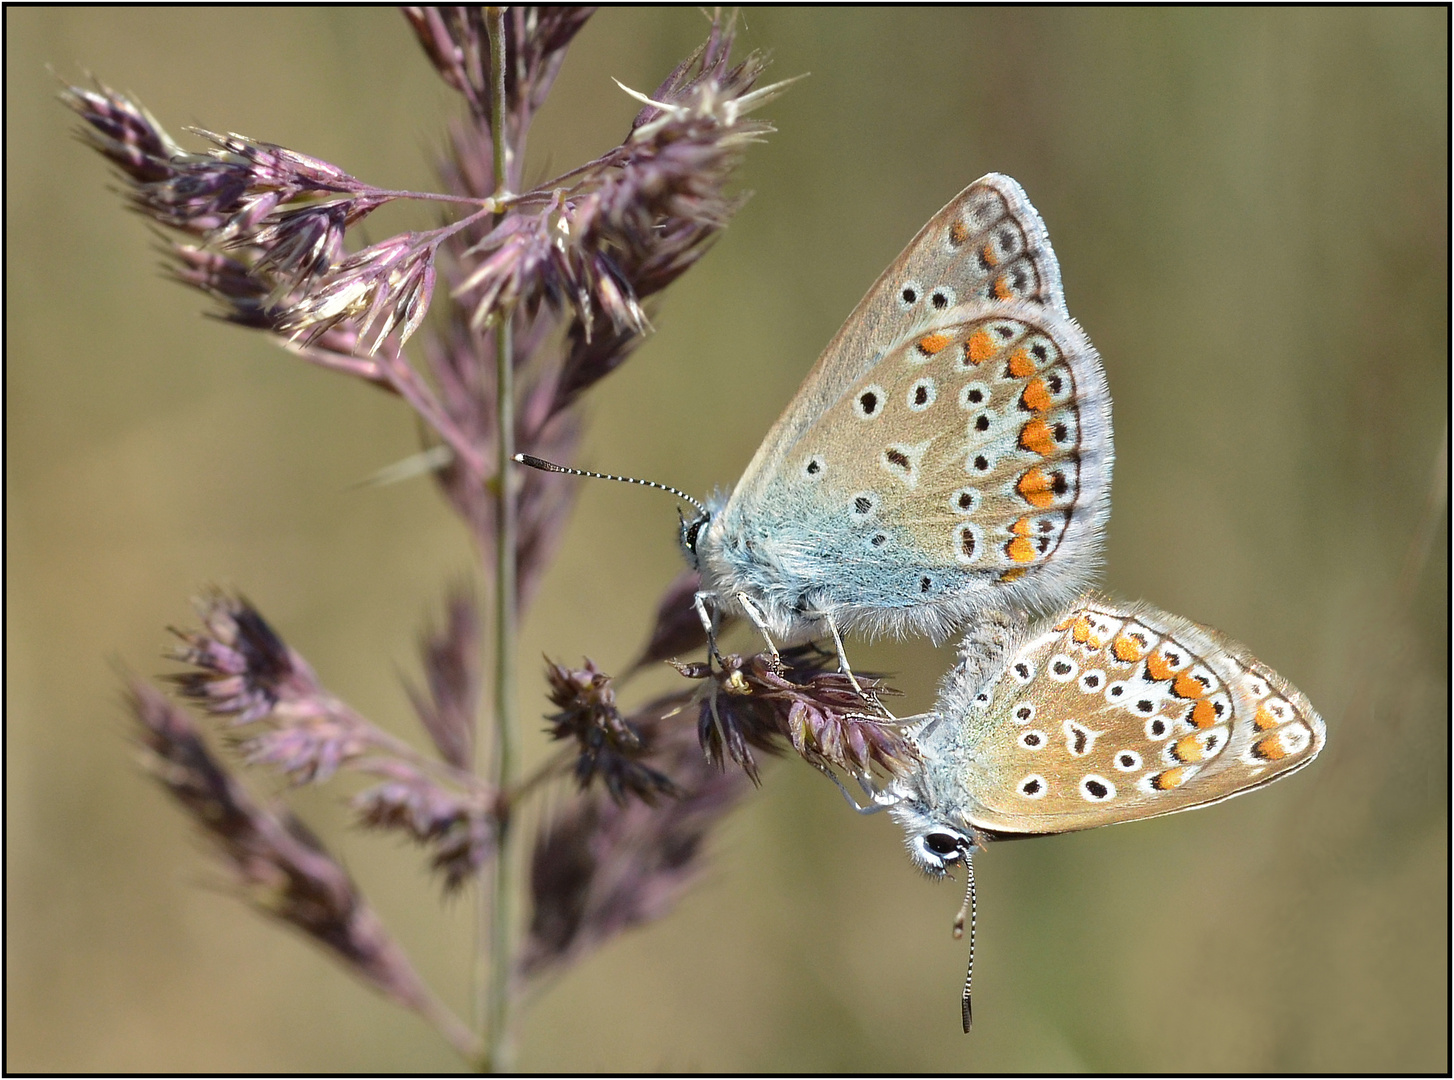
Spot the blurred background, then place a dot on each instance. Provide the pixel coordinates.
(1251, 213)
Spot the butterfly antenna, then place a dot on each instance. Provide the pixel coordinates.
(967, 907)
(550, 466)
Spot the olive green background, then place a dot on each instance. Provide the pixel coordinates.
(1250, 210)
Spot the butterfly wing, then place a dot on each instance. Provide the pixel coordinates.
(988, 243)
(1123, 712)
(971, 465)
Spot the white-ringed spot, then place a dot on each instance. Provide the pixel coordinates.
(1034, 740)
(921, 395)
(1061, 668)
(981, 461)
(1091, 682)
(965, 501)
(909, 294)
(1095, 788)
(901, 461)
(942, 298)
(1145, 705)
(1079, 739)
(864, 506)
(973, 396)
(814, 468)
(968, 543)
(869, 402)
(1157, 728)
(1024, 712)
(1032, 787)
(1022, 671)
(1127, 760)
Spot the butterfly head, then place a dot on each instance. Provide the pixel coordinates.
(934, 844)
(935, 841)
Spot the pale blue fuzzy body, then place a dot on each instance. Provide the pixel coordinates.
(936, 797)
(799, 561)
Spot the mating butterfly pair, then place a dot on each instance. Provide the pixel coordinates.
(948, 460)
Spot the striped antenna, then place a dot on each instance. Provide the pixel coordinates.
(550, 466)
(968, 906)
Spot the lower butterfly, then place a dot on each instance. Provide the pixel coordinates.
(1103, 713)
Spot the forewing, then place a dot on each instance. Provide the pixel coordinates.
(988, 243)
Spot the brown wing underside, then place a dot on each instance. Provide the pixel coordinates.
(1122, 714)
(988, 243)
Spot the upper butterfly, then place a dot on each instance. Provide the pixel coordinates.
(950, 451)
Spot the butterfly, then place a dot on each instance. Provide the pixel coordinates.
(949, 452)
(1106, 712)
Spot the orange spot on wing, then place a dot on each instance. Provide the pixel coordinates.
(1080, 633)
(1186, 686)
(1020, 550)
(1013, 575)
(987, 253)
(932, 343)
(1171, 778)
(1264, 719)
(1187, 748)
(958, 233)
(1021, 527)
(1270, 748)
(1002, 288)
(1035, 437)
(980, 347)
(1036, 398)
(1158, 667)
(1034, 488)
(1064, 624)
(1126, 650)
(1021, 366)
(1203, 714)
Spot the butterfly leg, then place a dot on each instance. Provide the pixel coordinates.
(755, 615)
(878, 800)
(709, 624)
(845, 669)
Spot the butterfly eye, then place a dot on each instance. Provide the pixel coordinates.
(690, 530)
(941, 844)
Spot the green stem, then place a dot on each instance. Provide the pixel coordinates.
(497, 901)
